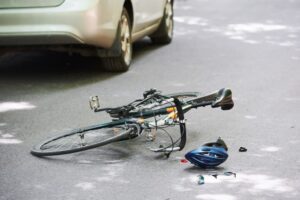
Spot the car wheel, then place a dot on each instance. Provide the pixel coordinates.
(122, 62)
(164, 33)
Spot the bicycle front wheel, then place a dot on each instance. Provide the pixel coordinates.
(84, 138)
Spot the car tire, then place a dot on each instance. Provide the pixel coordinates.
(164, 33)
(122, 62)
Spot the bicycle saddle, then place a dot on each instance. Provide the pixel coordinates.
(223, 99)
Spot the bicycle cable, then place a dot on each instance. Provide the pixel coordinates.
(182, 129)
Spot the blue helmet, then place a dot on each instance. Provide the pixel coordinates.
(208, 155)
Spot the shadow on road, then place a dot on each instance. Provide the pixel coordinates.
(196, 170)
(46, 69)
(142, 47)
(50, 67)
(47, 63)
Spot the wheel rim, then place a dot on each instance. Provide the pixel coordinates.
(79, 140)
(169, 19)
(125, 40)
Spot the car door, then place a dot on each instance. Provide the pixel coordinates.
(146, 13)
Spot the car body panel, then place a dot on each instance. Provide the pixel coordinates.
(29, 3)
(85, 22)
(146, 13)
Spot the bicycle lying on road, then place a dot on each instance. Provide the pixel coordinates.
(155, 111)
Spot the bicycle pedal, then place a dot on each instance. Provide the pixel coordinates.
(94, 102)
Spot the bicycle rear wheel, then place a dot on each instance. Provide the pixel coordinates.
(84, 138)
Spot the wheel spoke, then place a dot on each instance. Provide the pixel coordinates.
(77, 141)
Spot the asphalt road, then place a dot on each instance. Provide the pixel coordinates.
(250, 46)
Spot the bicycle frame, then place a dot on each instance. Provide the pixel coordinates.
(134, 118)
(173, 108)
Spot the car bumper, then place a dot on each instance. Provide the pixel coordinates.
(89, 22)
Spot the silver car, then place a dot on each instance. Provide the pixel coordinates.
(103, 28)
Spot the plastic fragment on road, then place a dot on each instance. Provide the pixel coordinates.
(215, 175)
(201, 180)
(184, 161)
(225, 174)
(242, 149)
(230, 174)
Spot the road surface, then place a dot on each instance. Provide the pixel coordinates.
(250, 46)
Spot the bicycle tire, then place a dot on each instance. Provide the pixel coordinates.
(182, 95)
(93, 136)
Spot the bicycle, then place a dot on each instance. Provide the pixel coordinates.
(154, 111)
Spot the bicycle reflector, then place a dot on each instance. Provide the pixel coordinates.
(94, 102)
